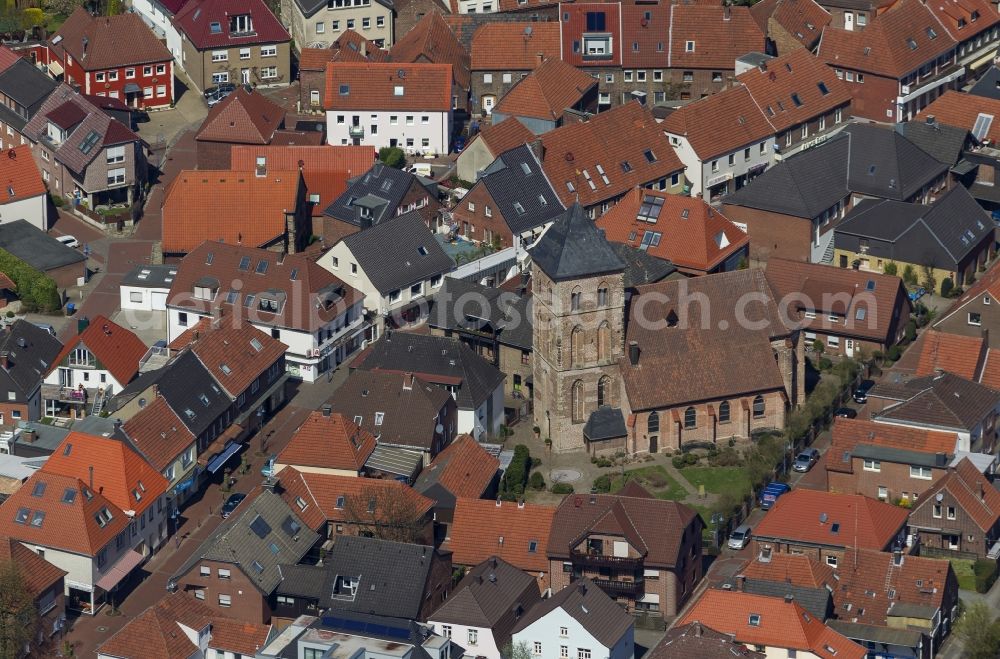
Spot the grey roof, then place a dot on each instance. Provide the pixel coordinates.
(264, 535)
(398, 252)
(885, 635)
(604, 423)
(913, 610)
(944, 143)
(696, 641)
(307, 581)
(28, 87)
(429, 356)
(641, 267)
(186, 384)
(574, 247)
(898, 455)
(817, 601)
(31, 351)
(487, 597)
(516, 177)
(943, 233)
(989, 85)
(466, 305)
(140, 384)
(35, 247)
(393, 576)
(151, 276)
(937, 401)
(883, 163)
(380, 190)
(395, 460)
(47, 439)
(587, 604)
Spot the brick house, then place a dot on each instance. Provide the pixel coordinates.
(887, 462)
(791, 24)
(934, 351)
(503, 53)
(849, 312)
(554, 93)
(348, 47)
(604, 538)
(854, 14)
(487, 146)
(960, 515)
(431, 41)
(237, 568)
(975, 313)
(464, 469)
(25, 351)
(114, 56)
(241, 118)
(826, 525)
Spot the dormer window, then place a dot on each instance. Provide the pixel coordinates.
(269, 305)
(241, 24)
(204, 292)
(55, 133)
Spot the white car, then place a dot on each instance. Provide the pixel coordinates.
(740, 538)
(69, 241)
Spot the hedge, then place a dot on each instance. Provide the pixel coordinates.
(516, 476)
(37, 291)
(986, 574)
(562, 488)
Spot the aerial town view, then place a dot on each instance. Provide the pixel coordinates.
(500, 329)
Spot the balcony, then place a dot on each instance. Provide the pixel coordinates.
(356, 131)
(67, 394)
(603, 560)
(631, 589)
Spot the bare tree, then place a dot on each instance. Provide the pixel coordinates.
(519, 650)
(387, 513)
(18, 612)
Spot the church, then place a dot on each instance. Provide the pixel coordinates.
(702, 360)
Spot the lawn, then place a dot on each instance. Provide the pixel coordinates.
(655, 479)
(718, 480)
(965, 573)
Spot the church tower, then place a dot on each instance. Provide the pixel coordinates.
(578, 325)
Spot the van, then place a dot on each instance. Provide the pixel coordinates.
(771, 494)
(739, 538)
(421, 169)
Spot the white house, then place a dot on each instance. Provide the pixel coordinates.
(24, 196)
(578, 622)
(145, 287)
(397, 265)
(309, 309)
(158, 15)
(390, 105)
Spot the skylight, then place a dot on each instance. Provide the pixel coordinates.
(650, 156)
(860, 314)
(796, 100)
(823, 89)
(931, 33)
(89, 142)
(525, 168)
(260, 527)
(911, 43)
(754, 620)
(69, 495)
(294, 274)
(244, 263)
(39, 489)
(256, 345)
(225, 369)
(215, 27)
(870, 285)
(261, 267)
(650, 209)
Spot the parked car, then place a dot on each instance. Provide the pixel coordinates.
(48, 328)
(846, 413)
(740, 538)
(805, 460)
(459, 144)
(861, 393)
(234, 500)
(771, 494)
(223, 87)
(917, 294)
(69, 241)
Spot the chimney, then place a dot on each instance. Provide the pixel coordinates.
(931, 120)
(364, 47)
(633, 353)
(327, 410)
(941, 459)
(28, 435)
(727, 12)
(270, 483)
(408, 381)
(982, 491)
(118, 425)
(788, 598)
(539, 58)
(741, 582)
(5, 360)
(583, 589)
(92, 477)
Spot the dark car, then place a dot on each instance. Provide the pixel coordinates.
(234, 500)
(861, 393)
(846, 413)
(805, 460)
(223, 87)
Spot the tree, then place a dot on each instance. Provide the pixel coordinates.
(387, 513)
(392, 156)
(18, 613)
(909, 275)
(519, 650)
(62, 7)
(890, 268)
(979, 632)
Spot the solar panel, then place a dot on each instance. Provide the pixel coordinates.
(290, 526)
(260, 527)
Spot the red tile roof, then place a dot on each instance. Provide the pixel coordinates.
(547, 91)
(349, 47)
(884, 47)
(504, 136)
(796, 569)
(19, 176)
(328, 442)
(804, 20)
(158, 433)
(325, 169)
(718, 40)
(863, 522)
(964, 356)
(190, 207)
(464, 468)
(794, 88)
(721, 123)
(39, 575)
(242, 118)
(236, 354)
(7, 58)
(116, 349)
(478, 526)
(848, 433)
(778, 624)
(991, 370)
(696, 237)
(372, 86)
(195, 20)
(107, 42)
(954, 108)
(621, 135)
(963, 19)
(431, 40)
(972, 490)
(513, 46)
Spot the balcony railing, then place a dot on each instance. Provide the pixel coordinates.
(356, 131)
(67, 394)
(603, 560)
(620, 588)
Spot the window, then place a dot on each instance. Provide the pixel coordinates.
(582, 653)
(951, 512)
(473, 637)
(220, 76)
(366, 23)
(724, 412)
(574, 301)
(380, 21)
(161, 69)
(272, 51)
(831, 561)
(99, 77)
(653, 422)
(268, 72)
(225, 601)
(689, 46)
(883, 492)
(199, 594)
(758, 407)
(563, 632)
(715, 165)
(627, 75)
(975, 318)
(116, 176)
(923, 473)
(220, 55)
(537, 649)
(116, 154)
(872, 465)
(690, 418)
(245, 52)
(563, 652)
(936, 512)
(129, 73)
(205, 571)
(224, 574)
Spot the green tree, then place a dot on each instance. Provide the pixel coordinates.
(979, 632)
(519, 650)
(18, 613)
(910, 331)
(947, 285)
(890, 268)
(392, 156)
(909, 275)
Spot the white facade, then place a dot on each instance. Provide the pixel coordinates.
(727, 168)
(477, 641)
(34, 210)
(154, 15)
(545, 638)
(143, 298)
(487, 418)
(414, 131)
(81, 372)
(309, 354)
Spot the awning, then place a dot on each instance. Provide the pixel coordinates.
(215, 464)
(55, 68)
(988, 57)
(132, 88)
(120, 570)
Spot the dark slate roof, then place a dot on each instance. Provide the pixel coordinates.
(641, 267)
(151, 276)
(486, 595)
(943, 233)
(816, 601)
(183, 383)
(883, 163)
(435, 356)
(381, 190)
(31, 351)
(517, 177)
(398, 252)
(306, 581)
(140, 384)
(574, 247)
(937, 401)
(393, 576)
(696, 641)
(264, 535)
(856, 631)
(944, 143)
(466, 305)
(604, 423)
(989, 85)
(600, 615)
(35, 247)
(26, 85)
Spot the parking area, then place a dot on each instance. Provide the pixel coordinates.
(163, 126)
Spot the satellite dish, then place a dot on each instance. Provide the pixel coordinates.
(939, 497)
(439, 429)
(822, 518)
(527, 31)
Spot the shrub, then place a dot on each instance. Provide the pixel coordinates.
(732, 442)
(603, 483)
(909, 275)
(986, 573)
(536, 462)
(910, 331)
(516, 476)
(562, 488)
(818, 347)
(38, 292)
(946, 286)
(690, 459)
(678, 461)
(58, 201)
(825, 364)
(890, 268)
(537, 481)
(893, 353)
(392, 156)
